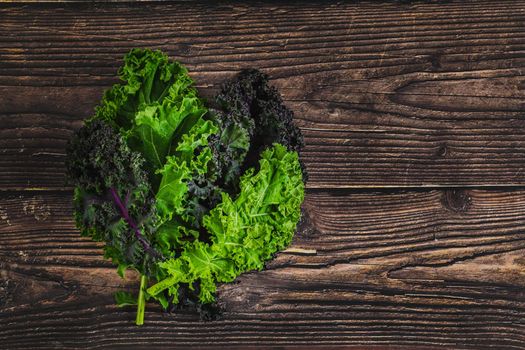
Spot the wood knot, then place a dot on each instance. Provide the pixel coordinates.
(456, 200)
(442, 150)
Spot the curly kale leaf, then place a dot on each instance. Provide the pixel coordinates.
(160, 115)
(113, 198)
(244, 232)
(186, 182)
(251, 116)
(229, 148)
(156, 106)
(259, 109)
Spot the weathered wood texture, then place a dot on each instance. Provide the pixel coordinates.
(388, 95)
(411, 268)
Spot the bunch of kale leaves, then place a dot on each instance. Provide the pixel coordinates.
(188, 196)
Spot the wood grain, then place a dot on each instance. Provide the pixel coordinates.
(387, 94)
(440, 268)
(413, 116)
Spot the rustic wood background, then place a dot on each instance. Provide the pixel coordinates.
(414, 120)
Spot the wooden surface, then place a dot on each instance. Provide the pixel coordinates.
(414, 120)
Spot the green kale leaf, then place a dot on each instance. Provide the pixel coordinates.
(157, 105)
(244, 232)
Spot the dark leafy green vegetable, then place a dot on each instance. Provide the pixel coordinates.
(249, 102)
(113, 199)
(246, 231)
(188, 197)
(155, 107)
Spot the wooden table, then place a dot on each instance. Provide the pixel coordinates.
(414, 120)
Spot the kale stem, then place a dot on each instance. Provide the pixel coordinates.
(125, 214)
(141, 302)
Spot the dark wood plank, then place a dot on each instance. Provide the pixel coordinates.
(424, 269)
(387, 94)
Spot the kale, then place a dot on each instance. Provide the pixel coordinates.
(188, 196)
(113, 199)
(253, 111)
(245, 231)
